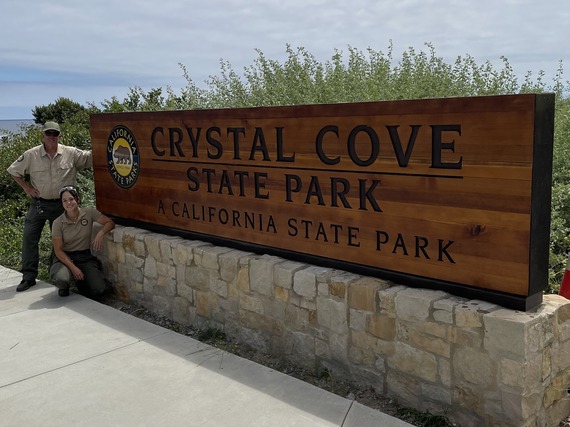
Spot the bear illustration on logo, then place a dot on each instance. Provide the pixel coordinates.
(122, 155)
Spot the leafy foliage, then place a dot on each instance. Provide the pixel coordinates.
(426, 419)
(353, 76)
(11, 232)
(61, 111)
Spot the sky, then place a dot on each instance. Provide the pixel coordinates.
(89, 52)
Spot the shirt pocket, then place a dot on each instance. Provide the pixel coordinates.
(66, 171)
(39, 167)
(66, 165)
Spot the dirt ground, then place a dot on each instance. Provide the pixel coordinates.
(324, 380)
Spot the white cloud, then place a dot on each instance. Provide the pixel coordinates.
(141, 42)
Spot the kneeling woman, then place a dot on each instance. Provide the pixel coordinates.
(71, 238)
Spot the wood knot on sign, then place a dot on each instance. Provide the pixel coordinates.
(477, 229)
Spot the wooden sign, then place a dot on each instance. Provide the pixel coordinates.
(450, 194)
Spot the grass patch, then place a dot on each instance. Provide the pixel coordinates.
(425, 419)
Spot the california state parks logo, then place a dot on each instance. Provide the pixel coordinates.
(123, 160)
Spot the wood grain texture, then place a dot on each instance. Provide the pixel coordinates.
(433, 188)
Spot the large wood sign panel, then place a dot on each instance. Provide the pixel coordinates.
(449, 193)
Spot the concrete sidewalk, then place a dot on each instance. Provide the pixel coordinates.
(74, 362)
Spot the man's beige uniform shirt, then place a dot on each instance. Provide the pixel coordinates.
(48, 175)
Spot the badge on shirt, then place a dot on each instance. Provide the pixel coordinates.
(84, 222)
(20, 159)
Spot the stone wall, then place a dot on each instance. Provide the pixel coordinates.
(478, 363)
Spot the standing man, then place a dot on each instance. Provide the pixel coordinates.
(50, 166)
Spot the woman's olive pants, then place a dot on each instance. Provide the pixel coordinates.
(93, 285)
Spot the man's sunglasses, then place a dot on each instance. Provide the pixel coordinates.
(51, 133)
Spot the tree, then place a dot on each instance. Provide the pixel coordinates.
(61, 111)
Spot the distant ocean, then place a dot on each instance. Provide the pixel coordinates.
(13, 125)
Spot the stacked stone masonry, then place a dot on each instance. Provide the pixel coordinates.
(478, 363)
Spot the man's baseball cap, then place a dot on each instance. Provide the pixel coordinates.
(51, 126)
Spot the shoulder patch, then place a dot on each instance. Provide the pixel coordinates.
(21, 158)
